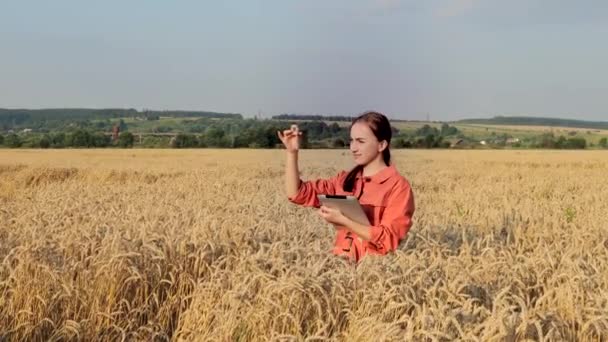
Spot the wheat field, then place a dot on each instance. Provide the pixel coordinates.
(158, 245)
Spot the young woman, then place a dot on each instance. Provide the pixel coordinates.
(384, 194)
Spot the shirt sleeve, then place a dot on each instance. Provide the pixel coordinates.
(396, 220)
(308, 191)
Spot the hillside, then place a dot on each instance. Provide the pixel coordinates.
(536, 121)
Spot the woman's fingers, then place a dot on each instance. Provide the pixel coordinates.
(326, 210)
(287, 134)
(323, 214)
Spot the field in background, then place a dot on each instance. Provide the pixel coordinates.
(203, 245)
(479, 131)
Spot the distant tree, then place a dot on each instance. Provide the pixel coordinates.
(338, 143)
(561, 142)
(185, 141)
(1, 139)
(334, 128)
(100, 140)
(214, 137)
(447, 130)
(202, 141)
(427, 130)
(271, 136)
(304, 141)
(79, 138)
(399, 143)
(317, 129)
(603, 142)
(546, 140)
(576, 143)
(12, 140)
(429, 141)
(122, 125)
(45, 141)
(58, 140)
(126, 139)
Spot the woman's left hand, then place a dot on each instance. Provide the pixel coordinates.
(332, 215)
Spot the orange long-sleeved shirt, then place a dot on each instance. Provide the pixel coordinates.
(387, 200)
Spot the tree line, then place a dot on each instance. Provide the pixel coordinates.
(252, 133)
(537, 121)
(58, 117)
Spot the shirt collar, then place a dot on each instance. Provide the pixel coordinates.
(382, 176)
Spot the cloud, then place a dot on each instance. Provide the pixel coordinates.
(453, 8)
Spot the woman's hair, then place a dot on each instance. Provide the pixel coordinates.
(379, 124)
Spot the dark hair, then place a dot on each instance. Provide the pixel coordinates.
(379, 124)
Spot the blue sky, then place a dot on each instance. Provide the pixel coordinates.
(449, 59)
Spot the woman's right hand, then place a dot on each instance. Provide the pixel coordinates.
(290, 138)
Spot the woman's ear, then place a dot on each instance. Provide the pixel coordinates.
(383, 146)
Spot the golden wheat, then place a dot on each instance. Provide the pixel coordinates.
(203, 245)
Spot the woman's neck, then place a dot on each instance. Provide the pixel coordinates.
(374, 167)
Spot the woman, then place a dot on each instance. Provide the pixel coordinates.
(384, 194)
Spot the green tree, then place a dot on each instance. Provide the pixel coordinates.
(45, 141)
(429, 141)
(122, 125)
(12, 140)
(79, 138)
(546, 140)
(561, 142)
(185, 141)
(334, 128)
(214, 137)
(304, 140)
(427, 130)
(398, 143)
(603, 142)
(338, 143)
(1, 139)
(58, 140)
(576, 143)
(447, 130)
(126, 139)
(100, 140)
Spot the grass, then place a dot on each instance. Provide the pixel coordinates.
(203, 245)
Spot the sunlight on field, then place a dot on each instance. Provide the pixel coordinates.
(203, 245)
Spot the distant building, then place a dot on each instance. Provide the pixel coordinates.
(26, 130)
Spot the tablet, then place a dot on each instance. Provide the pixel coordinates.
(348, 205)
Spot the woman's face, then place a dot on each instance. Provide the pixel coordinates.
(364, 145)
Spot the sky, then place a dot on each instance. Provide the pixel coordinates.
(409, 59)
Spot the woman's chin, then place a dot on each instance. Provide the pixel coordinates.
(359, 161)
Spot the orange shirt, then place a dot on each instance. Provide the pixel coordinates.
(387, 200)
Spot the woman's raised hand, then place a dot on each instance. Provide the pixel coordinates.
(290, 138)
